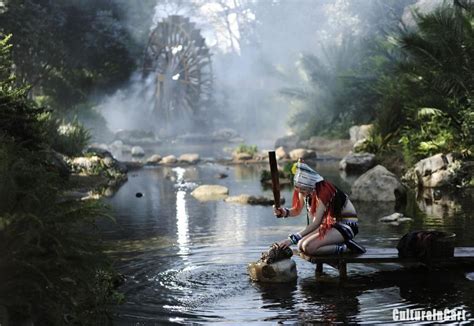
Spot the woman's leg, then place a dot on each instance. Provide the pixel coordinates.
(312, 245)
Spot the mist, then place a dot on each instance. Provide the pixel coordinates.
(255, 47)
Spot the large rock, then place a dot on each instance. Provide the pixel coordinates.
(59, 163)
(210, 192)
(360, 132)
(378, 184)
(170, 159)
(282, 271)
(95, 165)
(357, 162)
(101, 150)
(303, 154)
(138, 151)
(288, 142)
(154, 159)
(189, 158)
(253, 200)
(280, 153)
(436, 171)
(335, 148)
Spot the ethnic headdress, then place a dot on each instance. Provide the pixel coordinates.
(305, 177)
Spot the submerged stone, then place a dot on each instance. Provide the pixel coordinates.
(282, 271)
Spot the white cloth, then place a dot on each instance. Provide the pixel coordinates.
(305, 177)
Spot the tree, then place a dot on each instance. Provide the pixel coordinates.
(68, 50)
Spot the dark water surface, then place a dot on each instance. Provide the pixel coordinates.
(185, 260)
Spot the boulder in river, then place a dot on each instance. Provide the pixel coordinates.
(280, 153)
(282, 271)
(210, 192)
(357, 162)
(154, 159)
(189, 158)
(303, 154)
(435, 171)
(378, 184)
(138, 151)
(170, 159)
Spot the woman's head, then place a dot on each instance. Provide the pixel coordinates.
(305, 178)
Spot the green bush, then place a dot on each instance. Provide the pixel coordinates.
(435, 134)
(52, 266)
(248, 149)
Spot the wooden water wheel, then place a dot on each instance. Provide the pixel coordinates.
(180, 62)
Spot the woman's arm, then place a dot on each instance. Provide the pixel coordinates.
(289, 212)
(294, 238)
(317, 219)
(295, 211)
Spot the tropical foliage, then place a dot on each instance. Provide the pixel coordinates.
(414, 82)
(52, 268)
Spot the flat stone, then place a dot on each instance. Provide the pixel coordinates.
(170, 159)
(154, 159)
(189, 158)
(391, 218)
(210, 192)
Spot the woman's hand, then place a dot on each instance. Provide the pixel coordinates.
(279, 212)
(285, 243)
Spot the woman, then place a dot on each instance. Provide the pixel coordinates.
(332, 222)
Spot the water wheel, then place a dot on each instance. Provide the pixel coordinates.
(180, 63)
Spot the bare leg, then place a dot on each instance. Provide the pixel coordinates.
(312, 245)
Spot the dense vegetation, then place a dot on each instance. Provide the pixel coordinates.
(52, 268)
(415, 83)
(55, 58)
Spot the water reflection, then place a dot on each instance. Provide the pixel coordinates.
(438, 204)
(329, 303)
(216, 240)
(182, 217)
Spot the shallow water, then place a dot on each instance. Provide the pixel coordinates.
(185, 260)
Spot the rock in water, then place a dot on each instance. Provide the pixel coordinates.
(210, 192)
(282, 271)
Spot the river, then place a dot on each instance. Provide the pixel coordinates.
(185, 261)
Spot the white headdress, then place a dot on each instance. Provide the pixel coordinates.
(305, 177)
